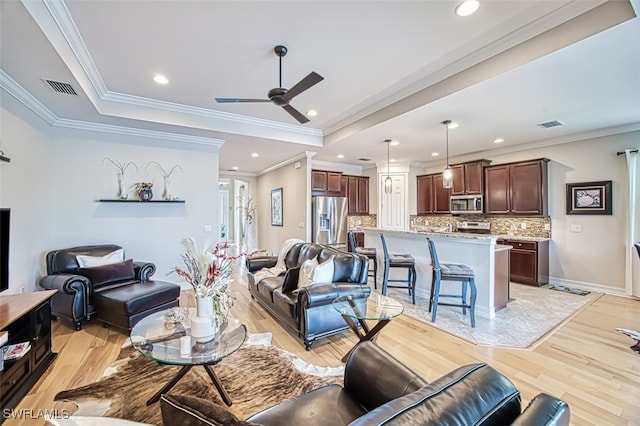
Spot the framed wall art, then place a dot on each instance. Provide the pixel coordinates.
(276, 207)
(589, 198)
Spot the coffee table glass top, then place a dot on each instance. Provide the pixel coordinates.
(160, 340)
(379, 307)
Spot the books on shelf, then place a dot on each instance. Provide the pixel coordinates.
(16, 351)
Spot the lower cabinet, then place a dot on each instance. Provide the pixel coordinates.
(27, 318)
(529, 261)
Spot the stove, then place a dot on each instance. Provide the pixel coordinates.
(475, 227)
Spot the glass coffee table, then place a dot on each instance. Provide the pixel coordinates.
(170, 343)
(379, 308)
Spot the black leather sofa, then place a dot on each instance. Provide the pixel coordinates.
(119, 294)
(308, 313)
(380, 390)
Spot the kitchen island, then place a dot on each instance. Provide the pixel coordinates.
(477, 251)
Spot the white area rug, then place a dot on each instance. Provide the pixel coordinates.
(530, 316)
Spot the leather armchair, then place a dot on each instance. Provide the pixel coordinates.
(74, 297)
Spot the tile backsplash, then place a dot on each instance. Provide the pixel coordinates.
(513, 226)
(366, 221)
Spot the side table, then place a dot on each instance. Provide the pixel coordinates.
(379, 308)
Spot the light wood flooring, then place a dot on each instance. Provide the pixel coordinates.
(586, 362)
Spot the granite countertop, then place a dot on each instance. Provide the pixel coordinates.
(462, 235)
(522, 238)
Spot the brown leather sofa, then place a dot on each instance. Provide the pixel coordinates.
(119, 294)
(380, 390)
(308, 313)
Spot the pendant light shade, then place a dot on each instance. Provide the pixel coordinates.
(447, 173)
(388, 183)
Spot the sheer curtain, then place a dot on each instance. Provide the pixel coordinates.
(633, 260)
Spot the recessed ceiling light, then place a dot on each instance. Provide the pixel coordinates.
(234, 168)
(161, 79)
(312, 113)
(254, 155)
(393, 160)
(498, 140)
(395, 143)
(467, 7)
(435, 154)
(453, 125)
(340, 156)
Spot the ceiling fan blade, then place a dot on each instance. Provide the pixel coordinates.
(295, 114)
(237, 100)
(312, 79)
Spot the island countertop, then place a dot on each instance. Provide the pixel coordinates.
(478, 251)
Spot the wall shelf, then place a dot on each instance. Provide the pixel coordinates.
(5, 159)
(115, 200)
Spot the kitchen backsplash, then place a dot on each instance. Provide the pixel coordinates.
(366, 221)
(513, 226)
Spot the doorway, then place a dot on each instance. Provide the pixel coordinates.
(393, 207)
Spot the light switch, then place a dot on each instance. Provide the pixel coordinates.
(576, 228)
(301, 225)
(208, 228)
(547, 227)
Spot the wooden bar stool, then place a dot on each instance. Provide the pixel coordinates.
(451, 272)
(397, 260)
(370, 252)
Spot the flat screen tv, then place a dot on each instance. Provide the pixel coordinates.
(5, 216)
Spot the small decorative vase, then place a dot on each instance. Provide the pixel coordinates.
(122, 190)
(145, 194)
(204, 325)
(166, 194)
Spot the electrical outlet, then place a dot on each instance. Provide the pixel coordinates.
(576, 228)
(208, 228)
(523, 225)
(301, 225)
(547, 227)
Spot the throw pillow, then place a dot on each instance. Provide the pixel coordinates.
(85, 261)
(105, 274)
(187, 410)
(323, 273)
(305, 276)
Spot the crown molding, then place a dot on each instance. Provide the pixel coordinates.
(304, 156)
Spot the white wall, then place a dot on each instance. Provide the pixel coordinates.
(55, 177)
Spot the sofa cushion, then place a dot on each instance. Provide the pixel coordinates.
(187, 410)
(470, 395)
(305, 276)
(86, 261)
(109, 273)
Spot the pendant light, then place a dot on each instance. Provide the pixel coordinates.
(447, 173)
(388, 183)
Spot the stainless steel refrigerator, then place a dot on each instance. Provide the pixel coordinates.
(329, 221)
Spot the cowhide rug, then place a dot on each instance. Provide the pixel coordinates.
(256, 378)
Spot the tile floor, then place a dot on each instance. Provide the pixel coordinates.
(532, 312)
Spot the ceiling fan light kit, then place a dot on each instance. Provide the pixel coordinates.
(447, 173)
(280, 96)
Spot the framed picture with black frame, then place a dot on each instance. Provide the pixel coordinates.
(589, 198)
(276, 207)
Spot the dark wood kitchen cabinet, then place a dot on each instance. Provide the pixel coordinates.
(529, 261)
(358, 194)
(325, 183)
(516, 188)
(431, 197)
(468, 178)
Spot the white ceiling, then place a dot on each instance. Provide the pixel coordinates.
(392, 70)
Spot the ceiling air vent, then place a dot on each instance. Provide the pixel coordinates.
(364, 159)
(61, 87)
(550, 124)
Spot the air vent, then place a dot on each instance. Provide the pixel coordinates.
(364, 159)
(550, 124)
(60, 87)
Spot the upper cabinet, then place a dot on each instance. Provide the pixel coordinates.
(432, 197)
(468, 178)
(357, 191)
(517, 188)
(325, 183)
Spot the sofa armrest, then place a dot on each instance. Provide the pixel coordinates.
(65, 283)
(374, 377)
(324, 294)
(256, 263)
(143, 270)
(545, 410)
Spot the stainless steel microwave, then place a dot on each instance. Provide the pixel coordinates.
(466, 204)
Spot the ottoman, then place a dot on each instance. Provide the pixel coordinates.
(124, 306)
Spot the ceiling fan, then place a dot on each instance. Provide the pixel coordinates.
(281, 96)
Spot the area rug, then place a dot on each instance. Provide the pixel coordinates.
(531, 315)
(256, 377)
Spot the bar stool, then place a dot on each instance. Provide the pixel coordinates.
(397, 260)
(451, 272)
(370, 252)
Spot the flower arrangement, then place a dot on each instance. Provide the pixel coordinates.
(209, 273)
(139, 186)
(143, 190)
